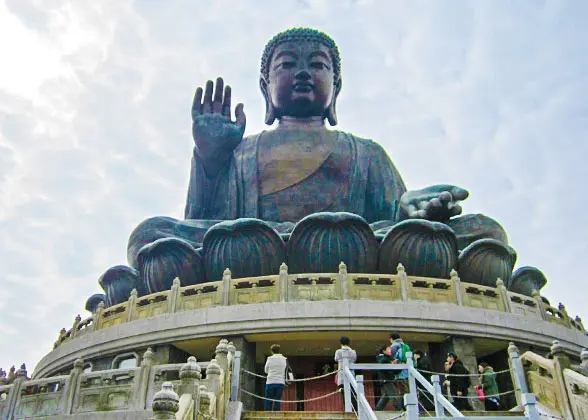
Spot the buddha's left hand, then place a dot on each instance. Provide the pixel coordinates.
(437, 202)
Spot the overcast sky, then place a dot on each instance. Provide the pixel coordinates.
(95, 130)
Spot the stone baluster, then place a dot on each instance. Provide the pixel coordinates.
(561, 362)
(343, 279)
(221, 354)
(71, 385)
(529, 402)
(456, 283)
(539, 302)
(173, 295)
(190, 376)
(166, 403)
(562, 309)
(204, 402)
(517, 373)
(98, 316)
(75, 325)
(283, 282)
(213, 374)
(403, 279)
(584, 359)
(411, 405)
(436, 381)
(18, 384)
(503, 295)
(579, 322)
(131, 304)
(62, 333)
(226, 287)
(360, 391)
(140, 401)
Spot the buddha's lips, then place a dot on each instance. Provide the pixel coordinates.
(302, 87)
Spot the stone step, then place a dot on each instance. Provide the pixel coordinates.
(298, 415)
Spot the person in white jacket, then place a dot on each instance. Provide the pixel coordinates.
(275, 368)
(345, 352)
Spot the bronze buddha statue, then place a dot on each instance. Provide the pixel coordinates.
(302, 193)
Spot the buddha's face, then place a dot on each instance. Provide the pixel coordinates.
(301, 79)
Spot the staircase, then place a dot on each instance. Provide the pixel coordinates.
(298, 415)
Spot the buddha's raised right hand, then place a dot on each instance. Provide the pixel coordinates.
(215, 134)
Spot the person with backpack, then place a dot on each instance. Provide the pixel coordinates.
(345, 352)
(398, 350)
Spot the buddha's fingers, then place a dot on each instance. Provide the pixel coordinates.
(207, 104)
(197, 103)
(240, 116)
(227, 102)
(217, 102)
(412, 211)
(455, 210)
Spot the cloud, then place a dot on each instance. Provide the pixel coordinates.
(95, 125)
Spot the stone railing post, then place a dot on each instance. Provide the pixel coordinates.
(561, 307)
(561, 362)
(539, 302)
(98, 316)
(62, 333)
(436, 381)
(74, 327)
(71, 386)
(584, 361)
(456, 282)
(173, 295)
(343, 281)
(213, 374)
(221, 354)
(142, 383)
(226, 287)
(283, 282)
(503, 295)
(166, 403)
(190, 376)
(131, 304)
(403, 279)
(15, 391)
(517, 373)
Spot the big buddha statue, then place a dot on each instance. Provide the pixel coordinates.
(303, 193)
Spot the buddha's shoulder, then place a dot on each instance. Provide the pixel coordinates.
(343, 135)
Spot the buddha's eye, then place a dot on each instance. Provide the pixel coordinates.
(318, 65)
(287, 64)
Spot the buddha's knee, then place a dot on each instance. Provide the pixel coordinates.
(471, 227)
(146, 232)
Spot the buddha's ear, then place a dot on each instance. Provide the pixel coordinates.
(270, 114)
(332, 109)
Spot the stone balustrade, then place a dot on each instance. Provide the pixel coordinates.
(558, 387)
(206, 386)
(286, 287)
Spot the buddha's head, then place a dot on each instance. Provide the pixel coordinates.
(300, 75)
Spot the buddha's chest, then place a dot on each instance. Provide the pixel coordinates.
(287, 158)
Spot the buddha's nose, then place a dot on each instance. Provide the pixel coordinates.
(303, 74)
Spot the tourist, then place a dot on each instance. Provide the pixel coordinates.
(423, 365)
(458, 381)
(275, 368)
(386, 377)
(345, 352)
(399, 349)
(490, 387)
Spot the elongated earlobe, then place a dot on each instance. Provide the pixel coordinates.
(331, 113)
(270, 113)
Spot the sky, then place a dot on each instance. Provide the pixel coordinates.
(95, 129)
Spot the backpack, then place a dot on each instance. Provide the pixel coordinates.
(401, 353)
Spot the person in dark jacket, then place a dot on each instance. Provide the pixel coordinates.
(424, 367)
(490, 387)
(386, 378)
(458, 384)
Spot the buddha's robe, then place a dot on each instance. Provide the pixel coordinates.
(280, 177)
